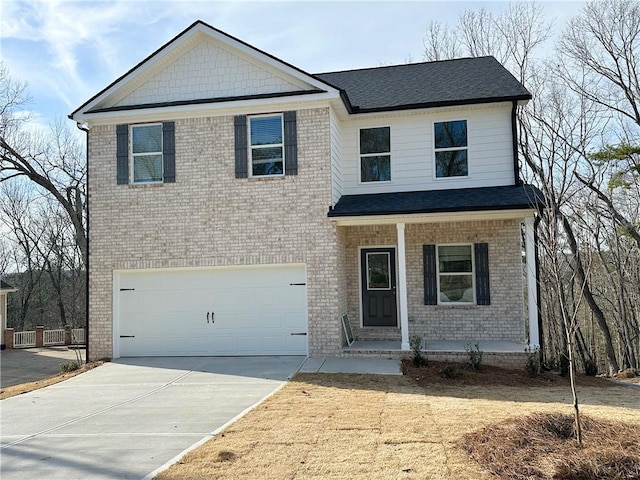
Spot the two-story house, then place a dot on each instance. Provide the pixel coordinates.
(241, 206)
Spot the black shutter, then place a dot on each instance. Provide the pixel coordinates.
(240, 131)
(290, 143)
(483, 296)
(169, 152)
(122, 154)
(430, 283)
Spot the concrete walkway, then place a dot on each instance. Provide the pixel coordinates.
(127, 418)
(365, 365)
(31, 364)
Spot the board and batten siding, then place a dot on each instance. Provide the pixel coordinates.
(336, 158)
(490, 150)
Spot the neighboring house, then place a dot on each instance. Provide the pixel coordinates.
(241, 206)
(5, 289)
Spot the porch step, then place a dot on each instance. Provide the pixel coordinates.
(377, 334)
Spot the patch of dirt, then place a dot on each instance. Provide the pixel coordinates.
(14, 390)
(543, 446)
(458, 374)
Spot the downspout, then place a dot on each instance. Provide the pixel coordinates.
(86, 265)
(536, 222)
(514, 139)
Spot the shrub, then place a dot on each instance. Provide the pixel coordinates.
(475, 356)
(451, 371)
(533, 362)
(418, 359)
(590, 367)
(69, 366)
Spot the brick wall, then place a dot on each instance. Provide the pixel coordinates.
(209, 218)
(502, 320)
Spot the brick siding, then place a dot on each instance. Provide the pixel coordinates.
(209, 218)
(502, 320)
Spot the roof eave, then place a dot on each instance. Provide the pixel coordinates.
(448, 103)
(176, 103)
(432, 217)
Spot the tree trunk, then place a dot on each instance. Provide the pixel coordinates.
(588, 296)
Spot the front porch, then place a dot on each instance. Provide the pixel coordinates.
(454, 278)
(494, 352)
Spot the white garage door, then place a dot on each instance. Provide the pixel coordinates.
(224, 311)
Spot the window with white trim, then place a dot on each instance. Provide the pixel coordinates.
(146, 153)
(375, 154)
(266, 146)
(455, 274)
(450, 145)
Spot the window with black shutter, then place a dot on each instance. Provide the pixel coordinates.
(266, 145)
(456, 274)
(145, 153)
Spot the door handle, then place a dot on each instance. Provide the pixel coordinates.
(207, 317)
(213, 315)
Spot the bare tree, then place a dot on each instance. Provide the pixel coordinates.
(440, 42)
(42, 200)
(54, 162)
(511, 37)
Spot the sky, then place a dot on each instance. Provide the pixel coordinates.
(69, 50)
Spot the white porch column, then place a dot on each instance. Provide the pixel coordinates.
(532, 283)
(402, 287)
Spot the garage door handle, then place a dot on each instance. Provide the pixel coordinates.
(299, 333)
(127, 336)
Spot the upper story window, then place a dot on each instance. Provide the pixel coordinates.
(146, 153)
(455, 274)
(451, 149)
(375, 154)
(266, 135)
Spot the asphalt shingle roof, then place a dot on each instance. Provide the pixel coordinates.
(430, 84)
(5, 286)
(509, 197)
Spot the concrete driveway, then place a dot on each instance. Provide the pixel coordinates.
(127, 418)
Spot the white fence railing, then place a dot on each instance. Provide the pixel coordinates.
(77, 336)
(47, 338)
(53, 337)
(24, 339)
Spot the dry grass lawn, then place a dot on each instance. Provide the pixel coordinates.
(383, 427)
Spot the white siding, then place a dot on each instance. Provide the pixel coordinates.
(490, 150)
(336, 156)
(209, 71)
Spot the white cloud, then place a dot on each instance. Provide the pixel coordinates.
(69, 50)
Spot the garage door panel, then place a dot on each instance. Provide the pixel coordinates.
(256, 310)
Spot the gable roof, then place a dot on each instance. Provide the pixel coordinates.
(400, 87)
(510, 197)
(429, 84)
(93, 104)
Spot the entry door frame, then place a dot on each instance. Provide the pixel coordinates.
(393, 258)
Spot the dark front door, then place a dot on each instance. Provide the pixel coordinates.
(378, 284)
